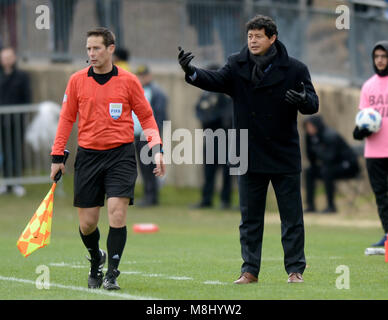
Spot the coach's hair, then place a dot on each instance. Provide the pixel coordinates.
(105, 33)
(262, 22)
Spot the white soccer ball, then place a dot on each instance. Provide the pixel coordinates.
(368, 118)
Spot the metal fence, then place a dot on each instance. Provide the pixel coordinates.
(212, 29)
(20, 162)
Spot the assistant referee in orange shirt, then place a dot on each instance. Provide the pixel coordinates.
(103, 97)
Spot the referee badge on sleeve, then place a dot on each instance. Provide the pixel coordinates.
(115, 110)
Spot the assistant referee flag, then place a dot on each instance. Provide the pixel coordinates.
(38, 231)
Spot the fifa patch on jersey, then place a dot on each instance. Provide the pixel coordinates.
(115, 110)
(64, 98)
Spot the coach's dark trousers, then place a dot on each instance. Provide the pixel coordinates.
(253, 193)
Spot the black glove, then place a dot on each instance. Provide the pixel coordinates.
(360, 134)
(184, 60)
(296, 98)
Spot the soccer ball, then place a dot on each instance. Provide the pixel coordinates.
(368, 118)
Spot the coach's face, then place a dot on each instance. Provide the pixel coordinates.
(258, 42)
(100, 56)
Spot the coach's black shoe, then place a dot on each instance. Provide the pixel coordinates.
(110, 280)
(95, 274)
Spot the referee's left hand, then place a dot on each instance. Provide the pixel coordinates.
(160, 169)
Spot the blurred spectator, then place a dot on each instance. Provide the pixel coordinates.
(291, 25)
(109, 16)
(63, 21)
(309, 3)
(8, 22)
(223, 17)
(368, 10)
(14, 89)
(330, 157)
(214, 111)
(158, 101)
(121, 58)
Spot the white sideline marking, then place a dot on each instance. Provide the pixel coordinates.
(145, 261)
(63, 264)
(151, 275)
(130, 272)
(214, 282)
(74, 288)
(179, 278)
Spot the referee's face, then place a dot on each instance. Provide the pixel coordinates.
(100, 56)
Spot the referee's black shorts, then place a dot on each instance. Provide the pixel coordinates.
(98, 173)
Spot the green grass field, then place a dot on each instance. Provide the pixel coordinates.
(195, 255)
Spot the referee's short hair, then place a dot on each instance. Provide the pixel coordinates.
(105, 33)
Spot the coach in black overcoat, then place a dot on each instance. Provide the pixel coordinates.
(268, 89)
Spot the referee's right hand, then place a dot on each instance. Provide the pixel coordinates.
(160, 169)
(55, 167)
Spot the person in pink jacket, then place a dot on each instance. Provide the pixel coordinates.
(374, 94)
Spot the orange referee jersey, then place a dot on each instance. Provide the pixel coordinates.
(104, 112)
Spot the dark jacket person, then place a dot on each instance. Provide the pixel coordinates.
(14, 90)
(330, 157)
(215, 112)
(268, 89)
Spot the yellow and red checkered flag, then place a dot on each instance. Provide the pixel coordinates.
(38, 231)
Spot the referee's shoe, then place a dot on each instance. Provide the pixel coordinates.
(95, 274)
(110, 280)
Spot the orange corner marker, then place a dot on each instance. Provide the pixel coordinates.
(145, 228)
(386, 249)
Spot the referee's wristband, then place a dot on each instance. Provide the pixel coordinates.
(156, 149)
(57, 159)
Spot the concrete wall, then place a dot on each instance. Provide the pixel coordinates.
(338, 106)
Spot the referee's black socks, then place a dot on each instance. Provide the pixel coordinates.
(91, 243)
(117, 237)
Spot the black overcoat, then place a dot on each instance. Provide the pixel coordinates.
(273, 139)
